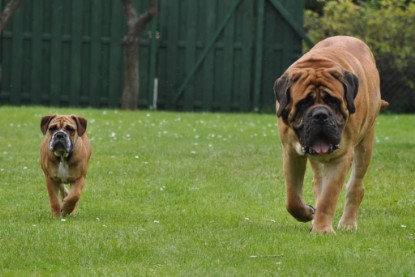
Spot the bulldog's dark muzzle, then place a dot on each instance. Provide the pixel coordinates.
(60, 143)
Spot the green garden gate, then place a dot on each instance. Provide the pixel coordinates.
(210, 55)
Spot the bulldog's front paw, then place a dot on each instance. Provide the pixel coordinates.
(69, 205)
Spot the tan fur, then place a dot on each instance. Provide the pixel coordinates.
(324, 65)
(70, 170)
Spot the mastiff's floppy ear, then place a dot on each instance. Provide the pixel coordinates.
(351, 87)
(281, 90)
(281, 87)
(80, 124)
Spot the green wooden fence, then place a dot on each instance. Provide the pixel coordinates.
(212, 55)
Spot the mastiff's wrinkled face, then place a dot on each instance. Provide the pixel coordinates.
(316, 104)
(62, 132)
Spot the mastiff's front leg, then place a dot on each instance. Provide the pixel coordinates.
(294, 169)
(329, 178)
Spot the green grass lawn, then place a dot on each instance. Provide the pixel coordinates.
(195, 194)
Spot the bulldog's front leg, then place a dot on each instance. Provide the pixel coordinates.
(53, 191)
(328, 181)
(294, 169)
(69, 205)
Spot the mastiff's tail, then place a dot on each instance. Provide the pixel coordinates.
(383, 104)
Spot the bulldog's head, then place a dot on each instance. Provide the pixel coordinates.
(316, 104)
(62, 132)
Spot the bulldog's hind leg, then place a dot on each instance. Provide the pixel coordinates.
(71, 200)
(294, 168)
(355, 187)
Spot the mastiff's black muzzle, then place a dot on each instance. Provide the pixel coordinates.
(321, 132)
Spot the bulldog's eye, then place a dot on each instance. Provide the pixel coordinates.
(53, 129)
(70, 129)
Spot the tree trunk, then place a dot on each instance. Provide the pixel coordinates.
(8, 11)
(136, 24)
(129, 98)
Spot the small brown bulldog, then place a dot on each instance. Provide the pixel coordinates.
(64, 156)
(327, 103)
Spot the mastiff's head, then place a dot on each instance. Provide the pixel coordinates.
(316, 104)
(62, 132)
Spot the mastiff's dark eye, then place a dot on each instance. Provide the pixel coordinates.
(305, 103)
(330, 100)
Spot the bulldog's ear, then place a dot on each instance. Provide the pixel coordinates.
(44, 123)
(80, 124)
(281, 88)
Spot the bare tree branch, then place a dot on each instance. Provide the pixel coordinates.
(8, 11)
(137, 23)
(130, 13)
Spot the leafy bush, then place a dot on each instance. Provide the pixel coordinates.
(387, 27)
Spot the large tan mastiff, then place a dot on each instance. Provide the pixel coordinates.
(327, 103)
(64, 156)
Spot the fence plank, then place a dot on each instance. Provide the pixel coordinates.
(76, 50)
(17, 58)
(191, 20)
(115, 67)
(258, 53)
(55, 57)
(227, 61)
(152, 94)
(95, 52)
(208, 92)
(66, 53)
(243, 66)
(168, 68)
(46, 54)
(36, 53)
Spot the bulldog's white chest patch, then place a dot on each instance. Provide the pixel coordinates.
(63, 171)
